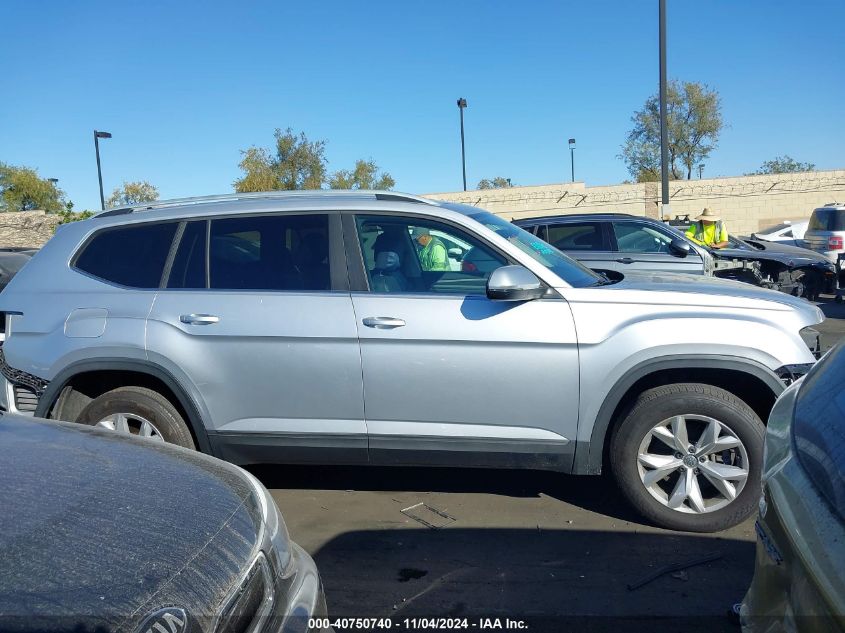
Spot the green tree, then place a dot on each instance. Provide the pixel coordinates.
(68, 215)
(21, 189)
(132, 193)
(295, 163)
(496, 183)
(782, 165)
(365, 176)
(694, 123)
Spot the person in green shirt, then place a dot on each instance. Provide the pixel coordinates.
(434, 255)
(708, 230)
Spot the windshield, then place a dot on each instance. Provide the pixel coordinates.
(827, 220)
(572, 272)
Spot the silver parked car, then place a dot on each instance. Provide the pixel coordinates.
(826, 232)
(312, 327)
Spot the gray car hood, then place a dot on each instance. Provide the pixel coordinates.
(98, 529)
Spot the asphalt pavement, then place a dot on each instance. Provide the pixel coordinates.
(559, 552)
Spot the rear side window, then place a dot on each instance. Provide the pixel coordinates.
(131, 256)
(827, 220)
(577, 236)
(281, 252)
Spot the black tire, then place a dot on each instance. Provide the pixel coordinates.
(143, 402)
(662, 403)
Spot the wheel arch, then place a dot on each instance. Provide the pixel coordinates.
(752, 382)
(150, 375)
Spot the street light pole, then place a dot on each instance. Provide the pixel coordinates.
(97, 137)
(462, 103)
(700, 170)
(664, 135)
(572, 158)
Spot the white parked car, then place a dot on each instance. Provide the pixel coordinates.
(788, 232)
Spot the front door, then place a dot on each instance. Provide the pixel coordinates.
(451, 377)
(647, 248)
(266, 335)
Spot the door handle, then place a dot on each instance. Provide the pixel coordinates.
(625, 260)
(383, 323)
(199, 319)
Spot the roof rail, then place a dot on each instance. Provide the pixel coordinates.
(265, 195)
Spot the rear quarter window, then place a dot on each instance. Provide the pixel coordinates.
(132, 256)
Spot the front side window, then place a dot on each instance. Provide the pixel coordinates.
(633, 237)
(409, 255)
(270, 252)
(132, 255)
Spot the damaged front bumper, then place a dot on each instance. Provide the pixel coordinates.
(20, 392)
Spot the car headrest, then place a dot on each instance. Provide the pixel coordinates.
(387, 261)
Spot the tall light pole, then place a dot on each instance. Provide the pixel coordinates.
(572, 158)
(700, 170)
(664, 135)
(462, 103)
(97, 137)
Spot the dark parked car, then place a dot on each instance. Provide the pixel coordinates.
(799, 577)
(799, 271)
(617, 243)
(620, 242)
(102, 531)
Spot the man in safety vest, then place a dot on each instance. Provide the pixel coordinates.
(708, 230)
(433, 253)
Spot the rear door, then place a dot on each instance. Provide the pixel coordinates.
(642, 246)
(257, 317)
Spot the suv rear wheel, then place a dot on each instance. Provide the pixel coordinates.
(688, 457)
(138, 411)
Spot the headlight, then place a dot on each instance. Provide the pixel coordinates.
(275, 541)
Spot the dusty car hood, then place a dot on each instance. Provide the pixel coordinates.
(100, 529)
(708, 292)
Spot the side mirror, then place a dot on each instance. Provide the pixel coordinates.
(514, 283)
(456, 253)
(679, 248)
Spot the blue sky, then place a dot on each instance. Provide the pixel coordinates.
(184, 86)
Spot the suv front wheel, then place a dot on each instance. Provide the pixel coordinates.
(688, 457)
(138, 411)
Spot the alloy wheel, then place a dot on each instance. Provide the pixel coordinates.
(131, 423)
(693, 464)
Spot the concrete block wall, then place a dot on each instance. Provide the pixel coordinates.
(747, 203)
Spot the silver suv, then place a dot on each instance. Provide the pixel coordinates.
(826, 231)
(381, 328)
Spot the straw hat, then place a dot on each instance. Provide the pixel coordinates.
(710, 216)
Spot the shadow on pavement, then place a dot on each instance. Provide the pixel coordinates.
(557, 580)
(596, 494)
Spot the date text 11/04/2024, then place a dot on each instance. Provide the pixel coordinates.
(417, 624)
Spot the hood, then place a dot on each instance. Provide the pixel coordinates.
(710, 292)
(773, 251)
(99, 529)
